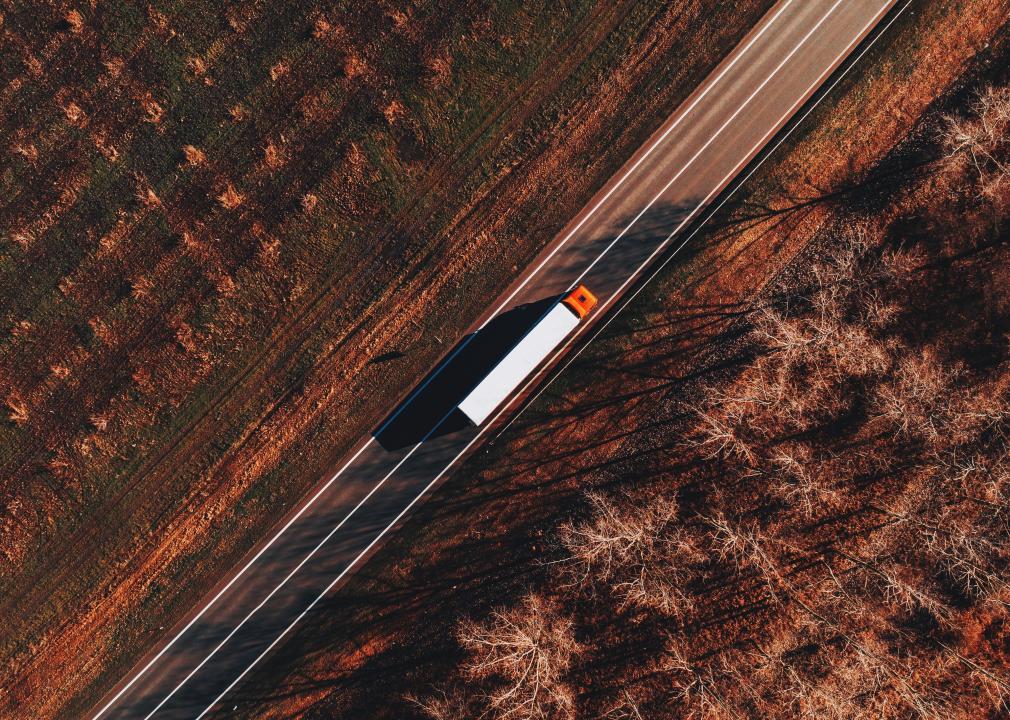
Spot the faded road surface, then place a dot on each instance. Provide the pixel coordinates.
(639, 214)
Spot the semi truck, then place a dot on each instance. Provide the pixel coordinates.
(524, 357)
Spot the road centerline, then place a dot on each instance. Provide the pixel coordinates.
(612, 301)
(686, 240)
(613, 298)
(705, 147)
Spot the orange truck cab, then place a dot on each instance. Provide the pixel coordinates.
(580, 301)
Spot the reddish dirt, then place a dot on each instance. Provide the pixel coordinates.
(614, 416)
(215, 218)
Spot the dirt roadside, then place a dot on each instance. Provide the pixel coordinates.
(477, 545)
(229, 218)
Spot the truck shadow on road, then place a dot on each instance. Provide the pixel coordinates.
(430, 410)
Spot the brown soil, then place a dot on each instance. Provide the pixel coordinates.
(614, 419)
(214, 218)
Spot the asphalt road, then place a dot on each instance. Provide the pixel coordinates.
(635, 218)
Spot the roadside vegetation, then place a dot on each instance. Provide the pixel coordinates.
(839, 547)
(776, 488)
(214, 216)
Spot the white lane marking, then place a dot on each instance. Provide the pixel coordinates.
(283, 582)
(490, 424)
(703, 148)
(682, 114)
(222, 591)
(628, 300)
(344, 572)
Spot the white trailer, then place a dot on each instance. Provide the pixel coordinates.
(509, 372)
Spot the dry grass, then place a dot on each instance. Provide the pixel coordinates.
(215, 207)
(615, 422)
(230, 198)
(856, 476)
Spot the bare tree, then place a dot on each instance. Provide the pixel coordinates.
(747, 548)
(721, 434)
(798, 478)
(626, 707)
(813, 353)
(904, 588)
(696, 686)
(962, 537)
(523, 654)
(800, 671)
(640, 552)
(981, 142)
(972, 559)
(443, 706)
(914, 402)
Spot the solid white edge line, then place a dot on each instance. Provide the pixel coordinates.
(713, 211)
(682, 113)
(231, 582)
(677, 121)
(283, 582)
(425, 490)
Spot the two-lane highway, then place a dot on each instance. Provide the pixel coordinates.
(641, 211)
